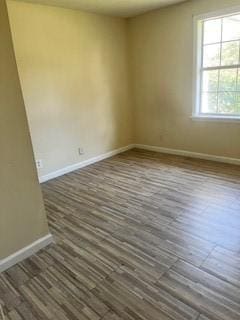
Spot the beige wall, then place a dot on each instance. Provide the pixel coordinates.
(74, 75)
(162, 59)
(22, 215)
(81, 73)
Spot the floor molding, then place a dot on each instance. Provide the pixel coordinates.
(109, 154)
(25, 252)
(189, 154)
(83, 164)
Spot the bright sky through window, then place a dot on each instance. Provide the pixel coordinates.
(219, 80)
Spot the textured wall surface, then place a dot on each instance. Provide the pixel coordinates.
(74, 73)
(162, 64)
(22, 214)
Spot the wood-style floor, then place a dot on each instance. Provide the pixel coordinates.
(139, 236)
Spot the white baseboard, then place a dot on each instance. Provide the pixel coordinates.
(189, 154)
(83, 164)
(184, 153)
(25, 252)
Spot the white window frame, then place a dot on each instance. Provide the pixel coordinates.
(197, 60)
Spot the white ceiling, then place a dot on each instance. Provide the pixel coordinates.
(121, 8)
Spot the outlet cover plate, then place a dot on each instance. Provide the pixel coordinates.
(39, 164)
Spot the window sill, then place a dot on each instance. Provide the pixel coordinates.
(215, 118)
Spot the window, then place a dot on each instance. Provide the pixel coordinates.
(218, 66)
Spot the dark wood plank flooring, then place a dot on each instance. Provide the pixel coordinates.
(141, 236)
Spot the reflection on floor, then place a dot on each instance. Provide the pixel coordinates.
(139, 236)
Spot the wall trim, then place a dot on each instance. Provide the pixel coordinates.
(83, 164)
(109, 154)
(189, 154)
(25, 252)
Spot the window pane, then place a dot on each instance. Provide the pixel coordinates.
(231, 28)
(211, 55)
(230, 53)
(228, 80)
(227, 102)
(220, 74)
(210, 80)
(209, 103)
(238, 80)
(237, 106)
(212, 31)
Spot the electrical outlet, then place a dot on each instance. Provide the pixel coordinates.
(39, 164)
(80, 151)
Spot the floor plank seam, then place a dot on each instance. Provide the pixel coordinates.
(209, 254)
(141, 234)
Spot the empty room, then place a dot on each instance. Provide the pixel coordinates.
(120, 160)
